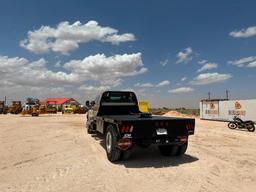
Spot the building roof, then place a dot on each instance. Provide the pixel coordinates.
(56, 101)
(211, 100)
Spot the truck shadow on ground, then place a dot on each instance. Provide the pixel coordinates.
(150, 157)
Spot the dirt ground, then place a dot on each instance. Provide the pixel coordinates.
(54, 153)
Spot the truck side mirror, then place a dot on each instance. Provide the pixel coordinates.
(87, 103)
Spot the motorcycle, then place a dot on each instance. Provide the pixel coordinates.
(240, 124)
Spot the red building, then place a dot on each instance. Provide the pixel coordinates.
(59, 102)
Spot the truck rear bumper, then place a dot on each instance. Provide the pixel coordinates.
(179, 140)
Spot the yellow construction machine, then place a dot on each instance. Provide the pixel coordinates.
(35, 108)
(143, 106)
(15, 108)
(73, 108)
(3, 108)
(31, 110)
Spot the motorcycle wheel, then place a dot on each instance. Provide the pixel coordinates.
(232, 125)
(251, 127)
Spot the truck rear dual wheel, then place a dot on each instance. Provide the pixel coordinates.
(89, 131)
(111, 137)
(182, 149)
(125, 155)
(143, 145)
(89, 128)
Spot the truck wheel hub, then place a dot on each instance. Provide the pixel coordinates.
(108, 142)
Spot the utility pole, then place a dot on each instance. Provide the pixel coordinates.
(227, 92)
(209, 95)
(4, 100)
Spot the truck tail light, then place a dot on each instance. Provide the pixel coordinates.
(189, 126)
(124, 143)
(126, 128)
(182, 139)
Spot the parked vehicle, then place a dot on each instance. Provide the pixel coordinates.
(33, 110)
(116, 115)
(240, 124)
(15, 108)
(74, 109)
(3, 108)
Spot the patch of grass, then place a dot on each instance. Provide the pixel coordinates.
(161, 111)
(158, 111)
(195, 112)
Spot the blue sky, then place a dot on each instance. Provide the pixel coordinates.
(170, 53)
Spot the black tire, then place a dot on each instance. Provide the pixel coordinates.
(89, 131)
(232, 125)
(251, 127)
(111, 137)
(168, 150)
(89, 128)
(143, 145)
(125, 155)
(182, 149)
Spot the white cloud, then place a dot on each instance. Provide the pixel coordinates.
(181, 90)
(150, 85)
(107, 70)
(207, 66)
(202, 62)
(183, 78)
(128, 89)
(244, 33)
(20, 71)
(185, 56)
(252, 64)
(144, 85)
(244, 62)
(208, 78)
(94, 88)
(116, 39)
(67, 37)
(164, 63)
(163, 83)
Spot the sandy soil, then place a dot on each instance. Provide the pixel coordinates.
(54, 153)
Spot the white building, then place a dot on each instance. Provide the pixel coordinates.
(225, 110)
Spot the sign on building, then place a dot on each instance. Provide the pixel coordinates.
(225, 110)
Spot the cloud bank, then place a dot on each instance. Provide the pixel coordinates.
(209, 78)
(67, 37)
(244, 33)
(244, 62)
(181, 90)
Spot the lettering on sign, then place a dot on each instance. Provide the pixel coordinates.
(236, 113)
(211, 112)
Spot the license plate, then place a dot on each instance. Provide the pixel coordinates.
(161, 131)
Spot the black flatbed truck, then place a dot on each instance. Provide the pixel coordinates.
(116, 115)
